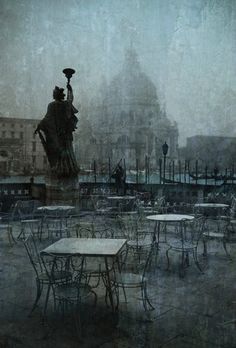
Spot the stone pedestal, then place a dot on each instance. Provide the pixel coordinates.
(63, 191)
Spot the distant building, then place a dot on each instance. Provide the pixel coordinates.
(129, 123)
(21, 151)
(212, 151)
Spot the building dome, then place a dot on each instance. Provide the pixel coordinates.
(130, 123)
(131, 85)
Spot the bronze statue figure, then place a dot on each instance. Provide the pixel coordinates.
(56, 133)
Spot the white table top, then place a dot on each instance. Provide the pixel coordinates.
(210, 205)
(170, 217)
(121, 197)
(86, 246)
(56, 207)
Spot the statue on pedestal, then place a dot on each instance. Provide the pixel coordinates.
(56, 132)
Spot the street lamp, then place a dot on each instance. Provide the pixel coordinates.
(165, 148)
(216, 171)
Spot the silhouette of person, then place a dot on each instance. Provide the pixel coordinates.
(120, 178)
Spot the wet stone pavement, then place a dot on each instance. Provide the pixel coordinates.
(196, 311)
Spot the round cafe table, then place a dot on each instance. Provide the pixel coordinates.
(211, 205)
(211, 209)
(58, 214)
(165, 218)
(52, 208)
(122, 202)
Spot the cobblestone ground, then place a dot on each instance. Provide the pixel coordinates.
(196, 311)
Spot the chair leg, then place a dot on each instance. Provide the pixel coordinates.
(78, 325)
(106, 292)
(46, 301)
(10, 235)
(117, 296)
(204, 248)
(146, 299)
(168, 259)
(181, 266)
(95, 297)
(38, 295)
(156, 246)
(143, 298)
(226, 250)
(195, 257)
(39, 232)
(22, 232)
(124, 293)
(187, 259)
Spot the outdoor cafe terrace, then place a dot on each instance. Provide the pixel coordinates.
(174, 284)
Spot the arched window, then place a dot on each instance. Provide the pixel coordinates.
(3, 153)
(123, 117)
(131, 116)
(93, 141)
(123, 140)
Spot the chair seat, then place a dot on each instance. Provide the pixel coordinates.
(57, 276)
(93, 267)
(5, 226)
(58, 229)
(128, 279)
(29, 221)
(186, 245)
(104, 210)
(71, 291)
(213, 235)
(138, 243)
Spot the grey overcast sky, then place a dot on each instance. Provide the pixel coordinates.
(186, 47)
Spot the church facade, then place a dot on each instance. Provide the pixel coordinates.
(129, 124)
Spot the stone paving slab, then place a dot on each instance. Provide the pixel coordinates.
(195, 311)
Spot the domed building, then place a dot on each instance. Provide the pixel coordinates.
(130, 124)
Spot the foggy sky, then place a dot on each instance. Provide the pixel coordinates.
(186, 47)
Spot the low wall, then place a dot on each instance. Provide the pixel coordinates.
(174, 193)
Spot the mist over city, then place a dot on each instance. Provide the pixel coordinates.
(186, 48)
(117, 173)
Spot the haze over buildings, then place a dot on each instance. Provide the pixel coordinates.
(186, 47)
(128, 122)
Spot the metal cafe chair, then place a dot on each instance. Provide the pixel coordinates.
(57, 224)
(137, 232)
(218, 228)
(6, 224)
(185, 240)
(68, 293)
(8, 220)
(94, 269)
(30, 221)
(41, 277)
(132, 273)
(102, 207)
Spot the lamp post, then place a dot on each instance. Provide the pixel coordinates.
(165, 148)
(216, 171)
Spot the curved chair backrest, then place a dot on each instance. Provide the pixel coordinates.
(62, 268)
(27, 209)
(192, 230)
(103, 232)
(33, 254)
(84, 231)
(140, 263)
